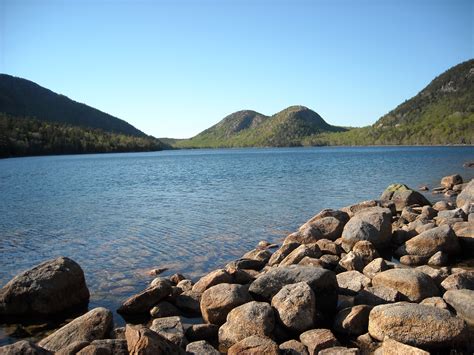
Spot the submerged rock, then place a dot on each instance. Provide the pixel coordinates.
(49, 288)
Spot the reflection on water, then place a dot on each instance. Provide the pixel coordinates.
(190, 211)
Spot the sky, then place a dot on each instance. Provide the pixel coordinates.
(174, 68)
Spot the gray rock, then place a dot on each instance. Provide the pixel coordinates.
(73, 348)
(466, 195)
(393, 347)
(170, 328)
(23, 347)
(438, 259)
(372, 224)
(252, 318)
(143, 341)
(144, 301)
(351, 282)
(435, 302)
(282, 252)
(403, 196)
(318, 339)
(465, 233)
(206, 332)
(414, 285)
(95, 324)
(366, 250)
(293, 347)
(213, 278)
(374, 267)
(458, 281)
(376, 295)
(49, 288)
(407, 323)
(339, 350)
(189, 302)
(463, 302)
(437, 274)
(217, 301)
(201, 347)
(295, 306)
(351, 261)
(254, 345)
(323, 283)
(352, 321)
(451, 180)
(164, 309)
(353, 209)
(105, 346)
(327, 224)
(310, 250)
(258, 254)
(428, 243)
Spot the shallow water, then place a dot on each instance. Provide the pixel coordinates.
(120, 215)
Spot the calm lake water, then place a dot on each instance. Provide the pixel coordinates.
(119, 215)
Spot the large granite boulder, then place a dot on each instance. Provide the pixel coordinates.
(372, 224)
(170, 328)
(327, 224)
(104, 346)
(466, 196)
(352, 320)
(412, 284)
(304, 250)
(458, 281)
(318, 339)
(144, 301)
(463, 302)
(282, 252)
(23, 347)
(254, 345)
(403, 196)
(323, 283)
(295, 306)
(49, 288)
(428, 243)
(252, 318)
(393, 347)
(143, 341)
(417, 325)
(201, 347)
(95, 324)
(217, 301)
(451, 180)
(213, 278)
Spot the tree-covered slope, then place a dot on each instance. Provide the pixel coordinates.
(23, 98)
(252, 129)
(442, 113)
(26, 136)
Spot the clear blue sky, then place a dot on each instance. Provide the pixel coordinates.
(173, 68)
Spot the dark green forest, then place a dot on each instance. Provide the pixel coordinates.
(22, 136)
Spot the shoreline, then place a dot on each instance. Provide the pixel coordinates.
(332, 260)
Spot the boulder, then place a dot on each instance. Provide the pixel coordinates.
(413, 260)
(366, 250)
(164, 309)
(252, 318)
(293, 347)
(282, 252)
(376, 295)
(213, 278)
(249, 264)
(329, 247)
(466, 195)
(435, 302)
(439, 258)
(451, 180)
(23, 347)
(258, 254)
(95, 324)
(463, 302)
(351, 261)
(413, 285)
(437, 274)
(374, 267)
(318, 339)
(201, 347)
(372, 224)
(206, 332)
(323, 283)
(465, 233)
(189, 302)
(217, 301)
(353, 209)
(403, 196)
(458, 281)
(185, 285)
(339, 350)
(170, 328)
(49, 288)
(310, 250)
(105, 346)
(295, 306)
(417, 325)
(254, 345)
(426, 244)
(327, 261)
(307, 261)
(442, 206)
(143, 341)
(351, 282)
(327, 224)
(393, 347)
(73, 348)
(144, 301)
(353, 320)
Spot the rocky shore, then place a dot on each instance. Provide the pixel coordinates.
(383, 276)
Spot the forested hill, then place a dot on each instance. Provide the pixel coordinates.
(37, 121)
(252, 129)
(23, 98)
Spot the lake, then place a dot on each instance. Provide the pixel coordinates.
(120, 215)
